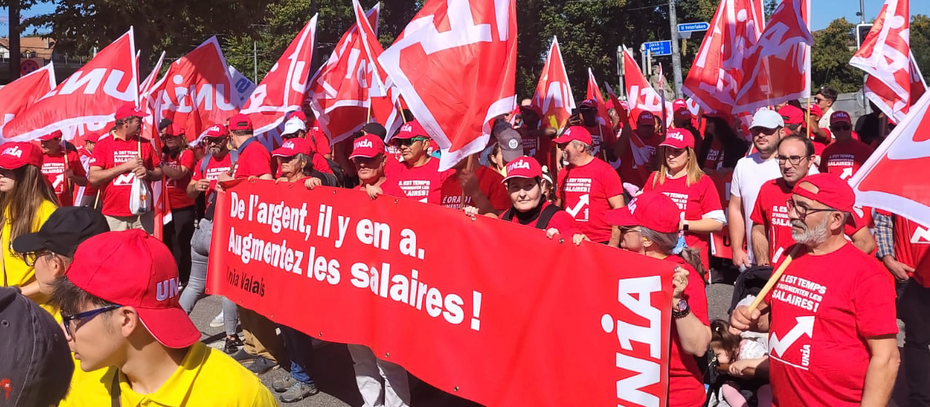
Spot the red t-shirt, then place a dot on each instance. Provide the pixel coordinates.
(695, 201)
(215, 167)
(318, 140)
(584, 191)
(53, 167)
(714, 156)
(111, 152)
(254, 161)
(771, 210)
(822, 311)
(911, 246)
(844, 158)
(602, 137)
(489, 182)
(177, 188)
(685, 380)
(635, 174)
(85, 158)
(561, 221)
(423, 183)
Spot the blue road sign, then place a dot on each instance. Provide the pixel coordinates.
(691, 27)
(658, 48)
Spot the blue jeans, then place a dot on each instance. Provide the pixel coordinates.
(299, 348)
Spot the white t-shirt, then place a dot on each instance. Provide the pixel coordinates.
(825, 119)
(750, 174)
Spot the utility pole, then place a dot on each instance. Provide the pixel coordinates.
(15, 48)
(255, 61)
(861, 11)
(676, 55)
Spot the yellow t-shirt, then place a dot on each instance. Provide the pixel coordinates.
(206, 377)
(15, 272)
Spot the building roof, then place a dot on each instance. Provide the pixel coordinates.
(43, 47)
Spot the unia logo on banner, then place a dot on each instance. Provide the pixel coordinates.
(14, 151)
(635, 296)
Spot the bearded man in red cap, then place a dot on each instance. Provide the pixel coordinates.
(831, 316)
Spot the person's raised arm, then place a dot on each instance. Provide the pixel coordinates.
(863, 240)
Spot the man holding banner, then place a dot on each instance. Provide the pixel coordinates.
(118, 161)
(831, 316)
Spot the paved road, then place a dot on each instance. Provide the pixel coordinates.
(335, 378)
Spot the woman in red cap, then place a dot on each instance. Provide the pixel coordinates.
(680, 177)
(296, 166)
(649, 226)
(26, 200)
(177, 163)
(530, 206)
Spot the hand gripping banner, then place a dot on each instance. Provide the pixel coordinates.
(487, 310)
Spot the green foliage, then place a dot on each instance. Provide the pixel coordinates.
(920, 43)
(833, 48)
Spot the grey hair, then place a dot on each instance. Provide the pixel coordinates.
(666, 242)
(587, 147)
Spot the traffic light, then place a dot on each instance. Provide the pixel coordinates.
(862, 31)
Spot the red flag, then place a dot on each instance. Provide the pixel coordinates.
(717, 72)
(639, 93)
(891, 178)
(604, 125)
(383, 98)
(783, 48)
(553, 93)
(162, 207)
(21, 94)
(455, 64)
(894, 83)
(91, 95)
(196, 92)
(284, 87)
(621, 107)
(339, 92)
(149, 127)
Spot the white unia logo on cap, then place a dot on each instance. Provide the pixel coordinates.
(215, 128)
(14, 151)
(518, 165)
(676, 135)
(363, 144)
(288, 144)
(407, 127)
(568, 131)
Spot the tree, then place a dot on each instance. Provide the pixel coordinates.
(830, 58)
(920, 43)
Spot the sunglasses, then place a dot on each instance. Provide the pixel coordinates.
(288, 159)
(214, 140)
(840, 127)
(408, 142)
(82, 318)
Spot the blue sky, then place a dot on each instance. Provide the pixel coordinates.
(823, 11)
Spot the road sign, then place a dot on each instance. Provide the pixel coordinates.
(691, 27)
(658, 48)
(862, 31)
(28, 66)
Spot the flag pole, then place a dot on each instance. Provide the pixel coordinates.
(808, 116)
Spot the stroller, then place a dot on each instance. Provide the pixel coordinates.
(749, 282)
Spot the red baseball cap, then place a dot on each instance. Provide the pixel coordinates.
(17, 154)
(575, 133)
(51, 136)
(646, 119)
(92, 137)
(831, 191)
(240, 122)
(680, 110)
(523, 167)
(651, 210)
(816, 110)
(840, 117)
(176, 130)
(678, 138)
(150, 285)
(589, 103)
(128, 110)
(214, 131)
(791, 114)
(410, 130)
(367, 146)
(292, 147)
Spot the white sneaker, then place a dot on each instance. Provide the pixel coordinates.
(217, 321)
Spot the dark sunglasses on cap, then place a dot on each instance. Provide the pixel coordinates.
(214, 140)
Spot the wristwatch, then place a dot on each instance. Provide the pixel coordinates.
(684, 226)
(682, 310)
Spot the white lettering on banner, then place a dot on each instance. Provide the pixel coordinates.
(635, 294)
(556, 96)
(921, 235)
(124, 179)
(650, 99)
(91, 82)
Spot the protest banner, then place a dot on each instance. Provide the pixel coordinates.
(484, 309)
(21, 94)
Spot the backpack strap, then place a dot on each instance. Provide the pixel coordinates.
(204, 162)
(542, 222)
(507, 215)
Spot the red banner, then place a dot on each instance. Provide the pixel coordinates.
(196, 92)
(456, 65)
(484, 309)
(89, 96)
(553, 92)
(22, 93)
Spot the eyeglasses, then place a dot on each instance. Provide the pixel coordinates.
(214, 140)
(818, 100)
(82, 318)
(804, 210)
(288, 159)
(840, 127)
(408, 142)
(30, 258)
(794, 160)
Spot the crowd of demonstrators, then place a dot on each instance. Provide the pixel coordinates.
(557, 180)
